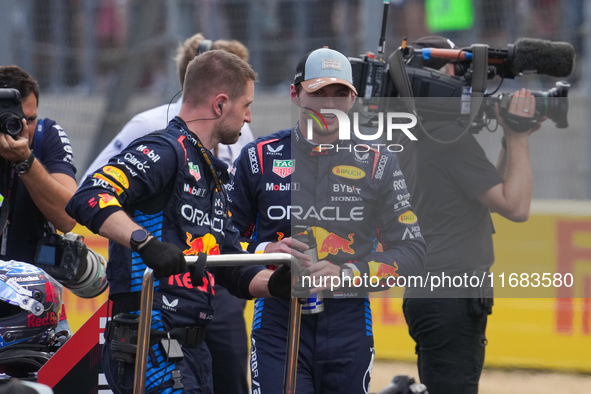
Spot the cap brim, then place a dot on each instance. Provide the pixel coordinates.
(314, 84)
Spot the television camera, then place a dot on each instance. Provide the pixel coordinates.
(434, 95)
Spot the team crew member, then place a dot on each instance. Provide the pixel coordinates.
(226, 336)
(352, 201)
(161, 199)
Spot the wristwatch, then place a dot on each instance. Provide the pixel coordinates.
(22, 167)
(347, 272)
(138, 237)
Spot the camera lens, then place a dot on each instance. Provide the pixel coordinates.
(554, 104)
(10, 124)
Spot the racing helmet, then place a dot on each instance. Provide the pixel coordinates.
(30, 307)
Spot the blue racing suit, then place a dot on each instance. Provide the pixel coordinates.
(353, 200)
(165, 183)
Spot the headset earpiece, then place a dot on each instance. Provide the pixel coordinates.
(204, 46)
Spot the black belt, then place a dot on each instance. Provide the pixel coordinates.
(130, 302)
(186, 336)
(125, 302)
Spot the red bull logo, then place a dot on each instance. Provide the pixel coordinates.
(49, 319)
(51, 293)
(206, 244)
(332, 243)
(107, 200)
(383, 271)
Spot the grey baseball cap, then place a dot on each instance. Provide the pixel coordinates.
(324, 67)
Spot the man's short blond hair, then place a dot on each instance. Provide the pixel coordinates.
(189, 48)
(215, 72)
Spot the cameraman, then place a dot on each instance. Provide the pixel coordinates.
(37, 176)
(454, 187)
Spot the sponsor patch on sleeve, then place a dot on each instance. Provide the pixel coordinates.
(117, 174)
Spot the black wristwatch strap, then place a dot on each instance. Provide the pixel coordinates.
(138, 237)
(22, 167)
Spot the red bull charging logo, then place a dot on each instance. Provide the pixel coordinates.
(206, 244)
(331, 243)
(382, 271)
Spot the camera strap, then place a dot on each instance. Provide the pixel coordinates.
(38, 139)
(5, 213)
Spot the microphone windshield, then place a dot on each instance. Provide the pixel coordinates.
(553, 58)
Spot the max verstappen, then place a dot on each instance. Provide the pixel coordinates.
(353, 201)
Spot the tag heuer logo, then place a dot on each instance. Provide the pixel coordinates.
(283, 168)
(194, 170)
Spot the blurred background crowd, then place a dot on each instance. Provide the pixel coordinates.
(99, 62)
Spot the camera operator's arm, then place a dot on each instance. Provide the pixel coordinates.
(512, 198)
(50, 192)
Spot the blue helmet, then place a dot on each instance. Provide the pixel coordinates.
(30, 307)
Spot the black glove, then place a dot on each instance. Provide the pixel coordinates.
(298, 289)
(164, 258)
(280, 282)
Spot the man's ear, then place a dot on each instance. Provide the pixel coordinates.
(293, 94)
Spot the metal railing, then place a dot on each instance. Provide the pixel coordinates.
(226, 260)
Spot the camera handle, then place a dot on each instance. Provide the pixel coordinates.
(397, 70)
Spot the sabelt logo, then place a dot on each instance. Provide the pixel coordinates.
(349, 172)
(117, 174)
(408, 217)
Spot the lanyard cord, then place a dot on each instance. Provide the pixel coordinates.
(218, 182)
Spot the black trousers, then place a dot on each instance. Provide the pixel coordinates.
(228, 344)
(450, 341)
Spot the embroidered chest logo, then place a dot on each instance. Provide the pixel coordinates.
(194, 170)
(283, 168)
